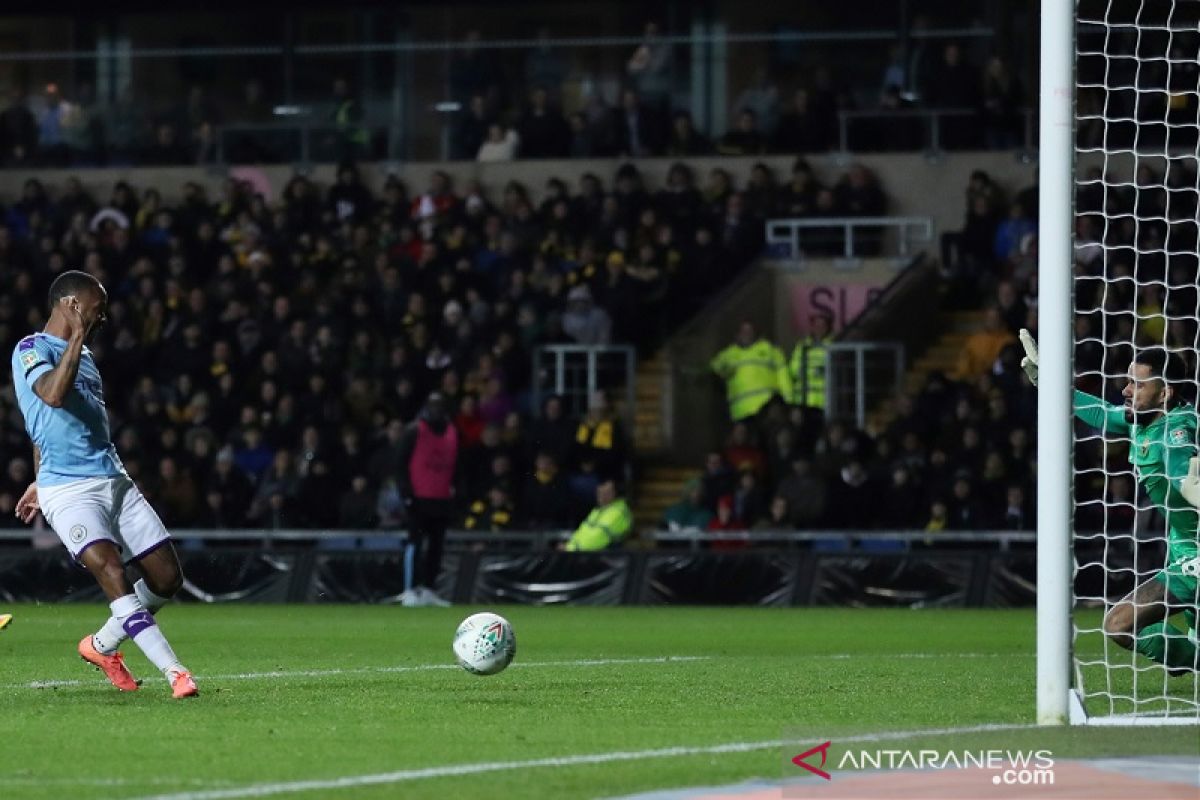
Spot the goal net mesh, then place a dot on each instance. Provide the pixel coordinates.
(1137, 116)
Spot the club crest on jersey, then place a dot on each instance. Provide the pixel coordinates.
(78, 533)
(1179, 436)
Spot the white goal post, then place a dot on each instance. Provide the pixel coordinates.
(1081, 678)
(1056, 160)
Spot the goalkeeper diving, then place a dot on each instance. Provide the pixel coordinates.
(1163, 451)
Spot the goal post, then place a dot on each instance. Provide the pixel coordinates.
(1119, 121)
(1056, 157)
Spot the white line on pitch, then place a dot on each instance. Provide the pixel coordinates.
(924, 655)
(595, 662)
(83, 780)
(459, 770)
(324, 673)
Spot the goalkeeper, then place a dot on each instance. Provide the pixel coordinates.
(1162, 428)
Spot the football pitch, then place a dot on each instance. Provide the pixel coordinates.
(366, 701)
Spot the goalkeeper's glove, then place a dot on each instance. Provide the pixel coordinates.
(1190, 486)
(1030, 362)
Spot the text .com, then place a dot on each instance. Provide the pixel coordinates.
(1024, 777)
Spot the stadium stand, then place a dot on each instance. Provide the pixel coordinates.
(260, 356)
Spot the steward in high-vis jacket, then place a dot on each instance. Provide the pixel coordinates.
(754, 372)
(608, 523)
(807, 368)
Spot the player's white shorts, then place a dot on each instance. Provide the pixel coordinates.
(92, 510)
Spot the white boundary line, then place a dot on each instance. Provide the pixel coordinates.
(83, 780)
(324, 673)
(458, 770)
(594, 662)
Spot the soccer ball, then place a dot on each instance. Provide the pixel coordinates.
(484, 644)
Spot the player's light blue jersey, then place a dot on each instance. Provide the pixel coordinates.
(74, 440)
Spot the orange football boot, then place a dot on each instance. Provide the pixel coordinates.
(112, 666)
(183, 686)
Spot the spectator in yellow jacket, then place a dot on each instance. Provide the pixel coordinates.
(983, 347)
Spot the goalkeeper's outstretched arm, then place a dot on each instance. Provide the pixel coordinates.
(1100, 414)
(1089, 408)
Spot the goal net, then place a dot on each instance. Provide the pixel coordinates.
(1134, 286)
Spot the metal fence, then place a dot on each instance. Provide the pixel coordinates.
(930, 129)
(304, 141)
(575, 372)
(848, 238)
(858, 376)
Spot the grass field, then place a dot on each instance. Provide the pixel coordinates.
(318, 693)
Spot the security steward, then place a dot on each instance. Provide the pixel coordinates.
(754, 372)
(608, 523)
(807, 368)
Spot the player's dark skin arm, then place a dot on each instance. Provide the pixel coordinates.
(28, 507)
(52, 387)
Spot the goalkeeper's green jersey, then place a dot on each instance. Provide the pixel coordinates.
(1159, 453)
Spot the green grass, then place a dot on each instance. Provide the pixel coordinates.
(755, 675)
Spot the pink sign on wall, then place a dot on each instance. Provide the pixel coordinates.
(841, 301)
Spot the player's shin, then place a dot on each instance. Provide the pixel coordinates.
(1167, 645)
(109, 638)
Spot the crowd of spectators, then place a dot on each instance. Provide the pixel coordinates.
(262, 357)
(500, 106)
(959, 454)
(767, 115)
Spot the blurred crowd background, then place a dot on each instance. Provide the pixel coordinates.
(263, 355)
(268, 85)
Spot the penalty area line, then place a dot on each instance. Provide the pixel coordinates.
(459, 770)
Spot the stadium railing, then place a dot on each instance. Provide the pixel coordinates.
(575, 372)
(859, 375)
(932, 119)
(303, 142)
(847, 238)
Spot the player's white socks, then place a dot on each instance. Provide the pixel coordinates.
(110, 637)
(140, 626)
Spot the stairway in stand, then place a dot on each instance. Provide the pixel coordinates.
(941, 356)
(659, 480)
